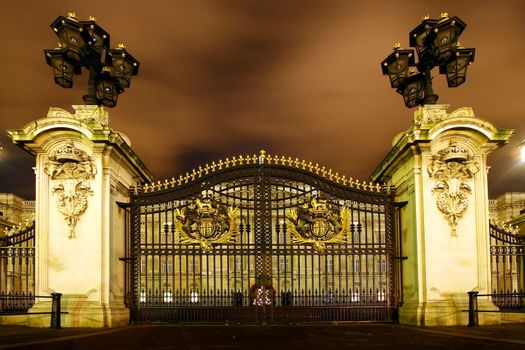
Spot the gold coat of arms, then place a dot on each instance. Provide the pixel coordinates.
(207, 224)
(318, 223)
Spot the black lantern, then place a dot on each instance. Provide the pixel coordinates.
(413, 88)
(443, 38)
(123, 64)
(419, 34)
(63, 69)
(436, 44)
(108, 88)
(397, 65)
(69, 31)
(95, 35)
(456, 70)
(84, 44)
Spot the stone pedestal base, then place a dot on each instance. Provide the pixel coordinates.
(81, 313)
(452, 312)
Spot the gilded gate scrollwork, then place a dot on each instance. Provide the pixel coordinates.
(207, 224)
(318, 223)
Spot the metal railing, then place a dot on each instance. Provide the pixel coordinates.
(506, 301)
(13, 304)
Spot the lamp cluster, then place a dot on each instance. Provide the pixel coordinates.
(85, 44)
(436, 43)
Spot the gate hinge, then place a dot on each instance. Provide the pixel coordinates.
(125, 259)
(400, 257)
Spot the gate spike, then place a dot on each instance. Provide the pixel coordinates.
(220, 164)
(172, 182)
(289, 160)
(166, 184)
(234, 161)
(227, 163)
(283, 160)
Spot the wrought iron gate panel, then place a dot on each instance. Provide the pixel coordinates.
(232, 245)
(507, 252)
(17, 270)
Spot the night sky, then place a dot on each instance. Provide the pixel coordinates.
(296, 78)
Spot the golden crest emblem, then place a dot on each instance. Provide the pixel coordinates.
(318, 223)
(207, 224)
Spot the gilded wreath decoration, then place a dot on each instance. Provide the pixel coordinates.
(318, 223)
(207, 224)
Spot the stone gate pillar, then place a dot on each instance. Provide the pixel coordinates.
(83, 168)
(439, 167)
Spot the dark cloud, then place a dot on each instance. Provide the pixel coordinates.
(300, 78)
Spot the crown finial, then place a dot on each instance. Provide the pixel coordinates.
(72, 15)
(396, 45)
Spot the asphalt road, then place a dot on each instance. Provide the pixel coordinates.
(322, 337)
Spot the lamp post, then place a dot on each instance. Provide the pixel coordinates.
(436, 43)
(86, 44)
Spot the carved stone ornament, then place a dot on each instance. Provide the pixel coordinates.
(71, 170)
(451, 168)
(90, 114)
(318, 223)
(207, 224)
(433, 114)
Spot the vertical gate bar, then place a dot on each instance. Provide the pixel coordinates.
(376, 257)
(389, 218)
(135, 230)
(504, 258)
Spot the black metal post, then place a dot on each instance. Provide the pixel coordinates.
(473, 309)
(430, 98)
(55, 311)
(91, 97)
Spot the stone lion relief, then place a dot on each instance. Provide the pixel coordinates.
(451, 167)
(71, 170)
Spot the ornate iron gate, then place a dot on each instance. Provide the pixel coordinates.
(507, 251)
(17, 269)
(261, 239)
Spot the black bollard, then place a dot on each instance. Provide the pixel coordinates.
(473, 309)
(55, 311)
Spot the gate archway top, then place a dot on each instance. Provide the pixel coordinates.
(263, 158)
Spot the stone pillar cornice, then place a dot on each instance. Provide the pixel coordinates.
(429, 122)
(89, 121)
